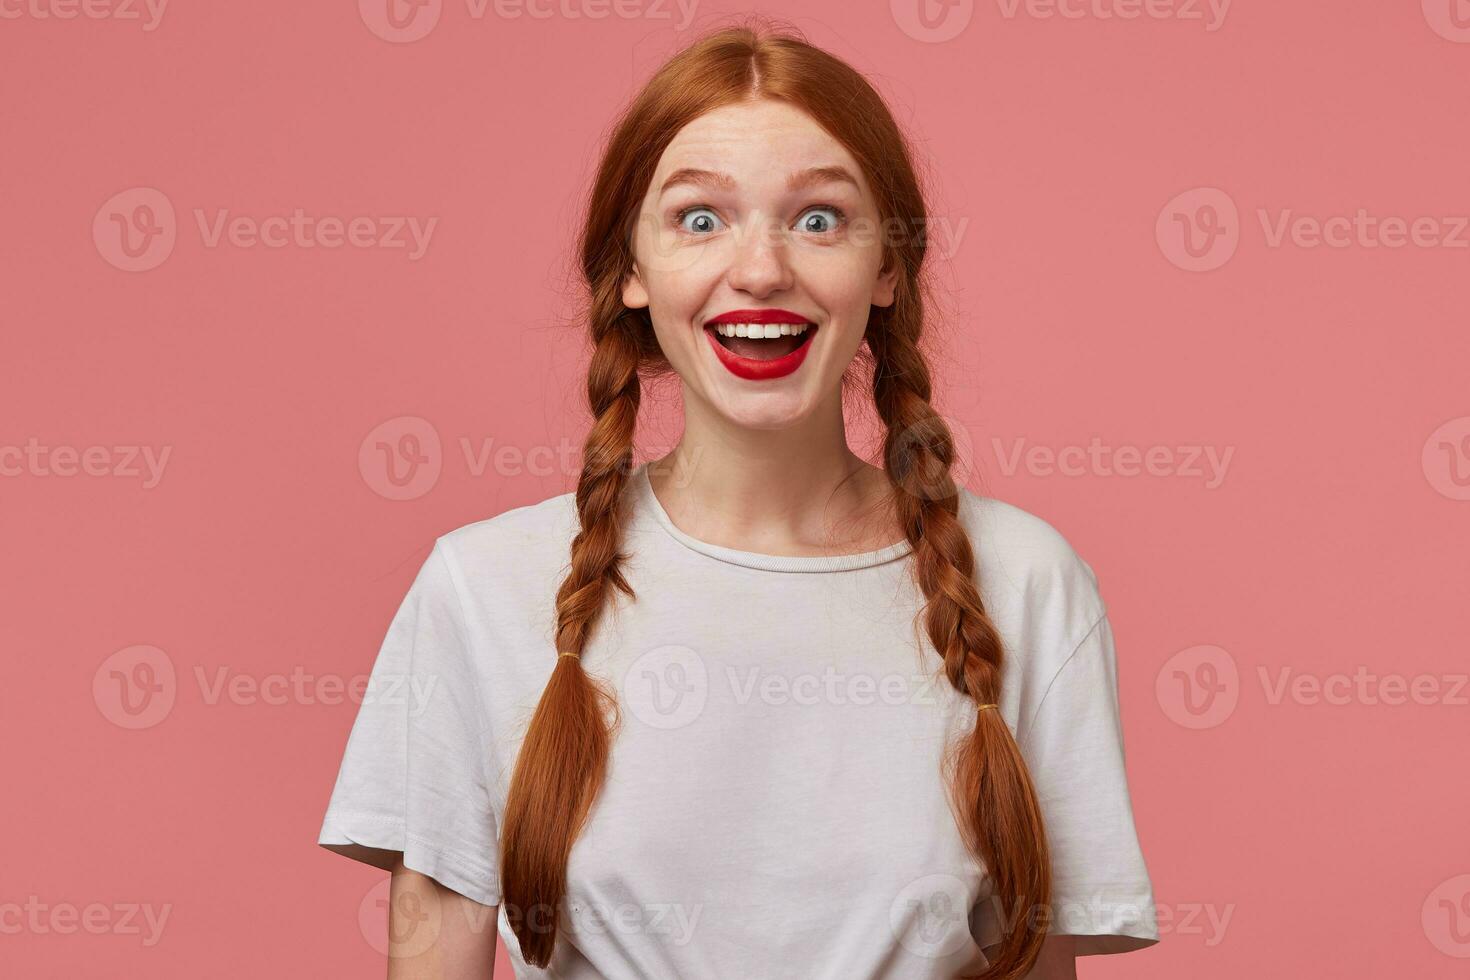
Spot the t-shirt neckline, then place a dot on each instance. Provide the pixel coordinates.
(649, 502)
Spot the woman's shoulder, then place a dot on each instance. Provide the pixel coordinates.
(1029, 573)
(1025, 540)
(517, 541)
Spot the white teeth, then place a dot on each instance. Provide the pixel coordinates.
(761, 330)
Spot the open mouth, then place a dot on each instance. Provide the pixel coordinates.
(762, 341)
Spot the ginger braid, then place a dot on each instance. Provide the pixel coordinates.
(563, 761)
(989, 785)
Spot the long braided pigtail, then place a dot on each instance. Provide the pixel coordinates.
(989, 785)
(562, 763)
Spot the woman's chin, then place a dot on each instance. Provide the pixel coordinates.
(770, 410)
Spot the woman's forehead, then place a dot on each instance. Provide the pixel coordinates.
(754, 140)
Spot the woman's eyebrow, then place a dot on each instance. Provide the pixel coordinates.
(800, 180)
(811, 176)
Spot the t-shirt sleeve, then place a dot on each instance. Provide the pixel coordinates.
(414, 775)
(1101, 892)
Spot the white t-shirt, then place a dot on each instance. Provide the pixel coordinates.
(774, 805)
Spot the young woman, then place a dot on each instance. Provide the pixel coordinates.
(757, 709)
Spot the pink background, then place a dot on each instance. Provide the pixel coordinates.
(1286, 835)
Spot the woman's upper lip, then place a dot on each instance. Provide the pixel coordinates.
(760, 316)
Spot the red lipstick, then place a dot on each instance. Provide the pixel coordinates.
(753, 368)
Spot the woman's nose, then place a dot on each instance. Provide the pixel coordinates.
(760, 264)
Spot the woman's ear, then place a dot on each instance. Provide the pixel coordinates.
(634, 295)
(884, 286)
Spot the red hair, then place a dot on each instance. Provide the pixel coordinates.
(562, 762)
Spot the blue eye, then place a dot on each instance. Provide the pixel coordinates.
(704, 221)
(820, 220)
(816, 220)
